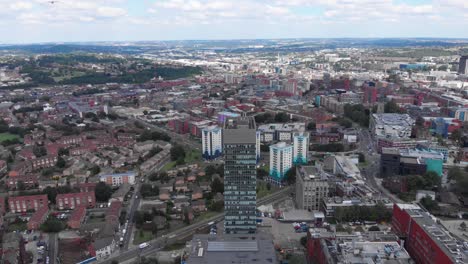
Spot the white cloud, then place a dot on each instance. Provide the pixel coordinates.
(21, 5)
(107, 11)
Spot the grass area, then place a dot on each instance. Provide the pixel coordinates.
(142, 236)
(7, 136)
(407, 197)
(19, 226)
(206, 215)
(262, 189)
(67, 75)
(175, 246)
(190, 157)
(96, 219)
(168, 166)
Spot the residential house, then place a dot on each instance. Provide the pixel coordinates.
(113, 212)
(205, 186)
(23, 204)
(181, 201)
(198, 206)
(38, 218)
(117, 179)
(164, 195)
(72, 200)
(197, 193)
(77, 217)
(181, 187)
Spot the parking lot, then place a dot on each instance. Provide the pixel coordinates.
(37, 246)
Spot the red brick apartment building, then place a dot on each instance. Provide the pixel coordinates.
(23, 204)
(38, 218)
(65, 201)
(77, 217)
(424, 239)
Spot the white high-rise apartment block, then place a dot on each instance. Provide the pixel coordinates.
(300, 147)
(280, 161)
(212, 144)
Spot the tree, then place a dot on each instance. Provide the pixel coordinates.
(429, 204)
(61, 163)
(374, 228)
(291, 176)
(52, 225)
(39, 151)
(148, 190)
(217, 186)
(21, 186)
(162, 109)
(177, 152)
(145, 112)
(103, 192)
(154, 229)
(138, 219)
(281, 117)
(456, 135)
(304, 241)
(362, 158)
(216, 206)
(264, 148)
(463, 226)
(63, 152)
(114, 262)
(95, 170)
(392, 107)
(268, 186)
(262, 173)
(311, 126)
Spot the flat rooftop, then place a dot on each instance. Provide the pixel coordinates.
(255, 248)
(240, 130)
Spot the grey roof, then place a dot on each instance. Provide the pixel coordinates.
(239, 136)
(103, 242)
(255, 248)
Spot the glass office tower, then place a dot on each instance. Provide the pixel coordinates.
(240, 175)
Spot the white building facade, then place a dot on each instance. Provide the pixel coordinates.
(300, 147)
(280, 161)
(212, 144)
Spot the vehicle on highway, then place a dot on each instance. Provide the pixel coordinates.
(143, 245)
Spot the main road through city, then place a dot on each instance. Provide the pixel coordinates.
(187, 231)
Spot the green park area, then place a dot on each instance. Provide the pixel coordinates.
(142, 236)
(7, 136)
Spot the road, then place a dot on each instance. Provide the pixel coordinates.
(368, 147)
(135, 202)
(53, 248)
(187, 231)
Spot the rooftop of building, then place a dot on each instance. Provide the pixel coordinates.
(414, 153)
(309, 173)
(239, 130)
(438, 234)
(299, 127)
(257, 248)
(281, 145)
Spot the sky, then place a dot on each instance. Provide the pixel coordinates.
(35, 21)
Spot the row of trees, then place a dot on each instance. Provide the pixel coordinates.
(363, 213)
(332, 147)
(357, 113)
(280, 117)
(154, 135)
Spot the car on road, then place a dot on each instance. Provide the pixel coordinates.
(143, 245)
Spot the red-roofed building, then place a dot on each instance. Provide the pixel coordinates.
(66, 201)
(113, 213)
(29, 181)
(38, 218)
(2, 205)
(22, 204)
(43, 162)
(77, 217)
